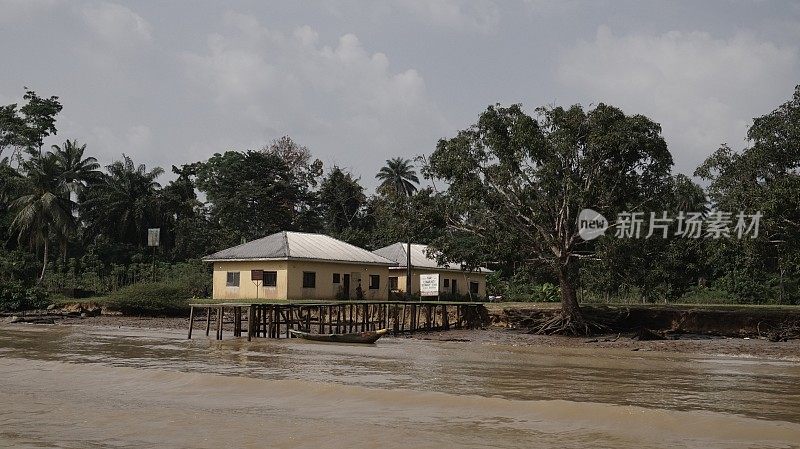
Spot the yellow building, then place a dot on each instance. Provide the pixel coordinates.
(296, 265)
(452, 279)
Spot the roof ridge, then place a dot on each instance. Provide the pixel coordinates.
(239, 245)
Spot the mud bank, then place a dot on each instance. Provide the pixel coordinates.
(667, 320)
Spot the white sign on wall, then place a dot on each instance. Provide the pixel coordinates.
(429, 285)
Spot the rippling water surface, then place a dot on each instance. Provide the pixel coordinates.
(70, 386)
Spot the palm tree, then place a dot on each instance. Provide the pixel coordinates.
(123, 203)
(77, 171)
(399, 176)
(43, 209)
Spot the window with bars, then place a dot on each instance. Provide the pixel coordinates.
(374, 281)
(309, 279)
(232, 279)
(473, 287)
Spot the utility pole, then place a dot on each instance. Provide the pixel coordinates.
(154, 240)
(408, 268)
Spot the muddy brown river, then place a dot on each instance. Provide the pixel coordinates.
(103, 387)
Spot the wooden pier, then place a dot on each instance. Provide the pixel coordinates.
(275, 319)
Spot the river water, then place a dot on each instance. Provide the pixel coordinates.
(101, 387)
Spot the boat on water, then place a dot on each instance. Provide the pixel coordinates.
(356, 337)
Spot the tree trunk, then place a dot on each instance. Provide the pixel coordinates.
(44, 264)
(570, 309)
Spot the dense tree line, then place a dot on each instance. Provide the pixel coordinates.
(505, 192)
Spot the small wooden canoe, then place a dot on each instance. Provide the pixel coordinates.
(357, 337)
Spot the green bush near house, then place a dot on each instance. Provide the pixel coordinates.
(153, 298)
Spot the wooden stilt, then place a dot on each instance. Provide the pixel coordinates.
(249, 322)
(220, 315)
(191, 322)
(428, 317)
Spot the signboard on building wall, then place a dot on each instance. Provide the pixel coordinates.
(429, 285)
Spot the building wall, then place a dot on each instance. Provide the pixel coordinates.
(247, 289)
(327, 289)
(463, 278)
(290, 280)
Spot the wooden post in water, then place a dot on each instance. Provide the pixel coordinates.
(249, 322)
(259, 311)
(220, 316)
(428, 317)
(208, 320)
(363, 317)
(191, 322)
(267, 319)
(289, 320)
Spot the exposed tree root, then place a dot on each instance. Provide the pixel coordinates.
(567, 325)
(788, 330)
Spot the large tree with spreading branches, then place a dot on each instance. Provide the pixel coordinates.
(525, 179)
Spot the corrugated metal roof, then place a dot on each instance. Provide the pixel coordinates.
(298, 245)
(396, 252)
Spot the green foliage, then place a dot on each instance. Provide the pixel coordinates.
(152, 298)
(17, 266)
(26, 127)
(93, 276)
(253, 194)
(517, 183)
(699, 295)
(417, 218)
(342, 200)
(123, 203)
(762, 177)
(15, 296)
(398, 177)
(529, 292)
(170, 295)
(514, 184)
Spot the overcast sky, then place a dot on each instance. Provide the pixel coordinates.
(361, 81)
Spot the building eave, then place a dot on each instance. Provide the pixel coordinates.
(452, 270)
(298, 259)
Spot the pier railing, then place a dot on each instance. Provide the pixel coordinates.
(275, 319)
